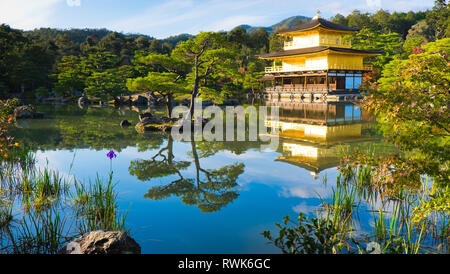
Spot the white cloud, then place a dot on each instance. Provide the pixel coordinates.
(27, 14)
(347, 6)
(188, 16)
(374, 3)
(305, 208)
(236, 20)
(164, 18)
(73, 3)
(306, 191)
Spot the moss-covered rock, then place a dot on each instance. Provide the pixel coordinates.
(147, 124)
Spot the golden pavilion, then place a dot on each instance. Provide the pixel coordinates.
(317, 63)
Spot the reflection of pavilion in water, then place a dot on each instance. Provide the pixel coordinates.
(313, 136)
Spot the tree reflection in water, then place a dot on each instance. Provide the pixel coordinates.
(210, 190)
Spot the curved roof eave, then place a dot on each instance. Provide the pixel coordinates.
(318, 22)
(318, 49)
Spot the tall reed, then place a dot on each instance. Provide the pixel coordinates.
(97, 206)
(46, 211)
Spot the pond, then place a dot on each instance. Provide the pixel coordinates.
(204, 197)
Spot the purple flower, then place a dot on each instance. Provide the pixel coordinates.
(111, 154)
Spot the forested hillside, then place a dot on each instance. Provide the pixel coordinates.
(59, 62)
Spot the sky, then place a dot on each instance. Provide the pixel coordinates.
(161, 19)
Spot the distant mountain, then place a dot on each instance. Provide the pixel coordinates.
(79, 35)
(289, 22)
(174, 40)
(76, 35)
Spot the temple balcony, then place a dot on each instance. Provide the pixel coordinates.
(284, 69)
(301, 89)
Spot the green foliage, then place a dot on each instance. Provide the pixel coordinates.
(7, 107)
(106, 84)
(167, 80)
(411, 43)
(251, 81)
(27, 59)
(23, 65)
(6, 110)
(412, 102)
(332, 231)
(421, 29)
(276, 42)
(389, 44)
(382, 20)
(211, 62)
(76, 35)
(259, 40)
(433, 212)
(4, 90)
(438, 20)
(97, 74)
(163, 83)
(69, 75)
(307, 236)
(42, 91)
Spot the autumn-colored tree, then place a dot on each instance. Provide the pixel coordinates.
(411, 101)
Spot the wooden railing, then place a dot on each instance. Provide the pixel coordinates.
(336, 67)
(274, 69)
(293, 68)
(319, 88)
(346, 66)
(303, 68)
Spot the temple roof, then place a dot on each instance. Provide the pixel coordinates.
(315, 50)
(318, 22)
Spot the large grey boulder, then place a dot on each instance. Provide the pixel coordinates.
(103, 242)
(125, 123)
(140, 100)
(145, 115)
(23, 112)
(27, 112)
(155, 123)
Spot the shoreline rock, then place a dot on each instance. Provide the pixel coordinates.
(155, 123)
(83, 101)
(145, 115)
(27, 112)
(102, 242)
(125, 123)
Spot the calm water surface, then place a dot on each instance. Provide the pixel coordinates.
(216, 197)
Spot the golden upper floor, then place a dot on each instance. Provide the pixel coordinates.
(317, 38)
(315, 33)
(317, 45)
